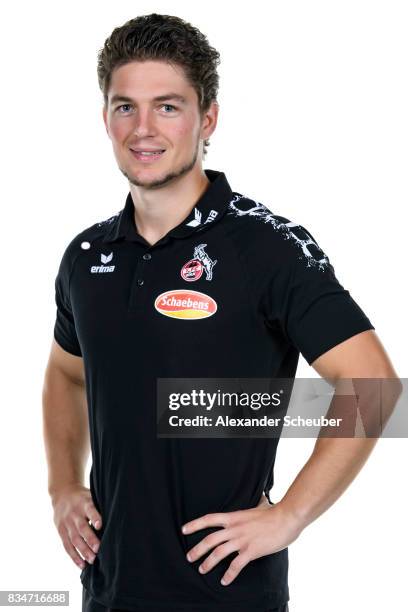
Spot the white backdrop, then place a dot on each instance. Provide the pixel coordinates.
(313, 123)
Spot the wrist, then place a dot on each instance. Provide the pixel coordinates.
(55, 491)
(298, 515)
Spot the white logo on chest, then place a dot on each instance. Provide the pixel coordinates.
(105, 259)
(201, 262)
(207, 262)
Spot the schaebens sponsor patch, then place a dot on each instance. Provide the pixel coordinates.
(185, 304)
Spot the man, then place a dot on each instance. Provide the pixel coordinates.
(189, 279)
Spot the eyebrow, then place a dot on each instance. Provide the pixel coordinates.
(163, 98)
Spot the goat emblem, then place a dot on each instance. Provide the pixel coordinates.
(201, 262)
(207, 262)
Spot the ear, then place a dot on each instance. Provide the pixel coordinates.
(209, 120)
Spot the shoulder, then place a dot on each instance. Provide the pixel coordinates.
(93, 233)
(83, 240)
(252, 221)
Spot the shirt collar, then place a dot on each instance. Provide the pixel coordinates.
(208, 209)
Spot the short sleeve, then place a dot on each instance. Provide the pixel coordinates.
(313, 309)
(64, 329)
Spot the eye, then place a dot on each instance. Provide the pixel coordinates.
(169, 106)
(124, 106)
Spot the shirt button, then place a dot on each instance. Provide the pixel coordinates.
(147, 256)
(140, 282)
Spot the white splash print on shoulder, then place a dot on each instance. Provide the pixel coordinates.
(109, 220)
(301, 238)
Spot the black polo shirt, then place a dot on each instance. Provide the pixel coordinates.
(232, 291)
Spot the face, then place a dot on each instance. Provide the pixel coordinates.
(153, 120)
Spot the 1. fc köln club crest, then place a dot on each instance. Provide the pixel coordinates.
(201, 262)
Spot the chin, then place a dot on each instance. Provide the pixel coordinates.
(149, 177)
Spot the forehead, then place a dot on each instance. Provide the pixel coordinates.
(149, 78)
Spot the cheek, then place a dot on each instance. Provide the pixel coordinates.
(185, 133)
(118, 132)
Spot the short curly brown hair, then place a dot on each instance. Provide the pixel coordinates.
(163, 37)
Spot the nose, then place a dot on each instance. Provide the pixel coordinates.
(144, 124)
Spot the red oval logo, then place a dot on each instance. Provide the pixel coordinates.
(185, 304)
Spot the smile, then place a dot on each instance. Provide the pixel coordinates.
(147, 156)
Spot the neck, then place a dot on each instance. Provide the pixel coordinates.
(159, 210)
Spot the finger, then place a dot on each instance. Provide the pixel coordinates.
(88, 535)
(208, 543)
(219, 519)
(81, 545)
(217, 555)
(93, 515)
(234, 569)
(71, 550)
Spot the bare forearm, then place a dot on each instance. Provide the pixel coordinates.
(66, 432)
(336, 461)
(333, 465)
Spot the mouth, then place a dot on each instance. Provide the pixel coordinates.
(146, 155)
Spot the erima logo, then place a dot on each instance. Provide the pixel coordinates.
(197, 219)
(105, 259)
(198, 216)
